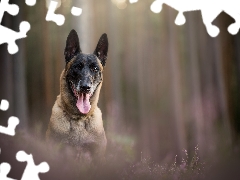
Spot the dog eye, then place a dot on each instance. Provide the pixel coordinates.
(94, 68)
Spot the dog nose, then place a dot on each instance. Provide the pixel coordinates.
(85, 88)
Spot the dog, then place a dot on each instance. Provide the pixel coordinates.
(76, 119)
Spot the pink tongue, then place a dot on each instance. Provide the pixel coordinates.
(83, 103)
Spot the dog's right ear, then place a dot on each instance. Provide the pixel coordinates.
(72, 46)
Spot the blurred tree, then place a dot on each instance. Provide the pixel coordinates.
(195, 87)
(230, 58)
(175, 78)
(12, 69)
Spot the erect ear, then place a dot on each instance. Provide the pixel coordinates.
(72, 46)
(102, 49)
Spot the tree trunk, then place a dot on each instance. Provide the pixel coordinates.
(12, 77)
(175, 78)
(19, 78)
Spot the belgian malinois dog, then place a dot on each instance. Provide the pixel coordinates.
(76, 119)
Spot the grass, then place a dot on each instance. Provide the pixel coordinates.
(187, 169)
(118, 164)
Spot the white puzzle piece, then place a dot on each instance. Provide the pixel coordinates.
(10, 130)
(30, 2)
(51, 16)
(12, 9)
(4, 105)
(31, 171)
(209, 10)
(4, 170)
(12, 121)
(7, 35)
(76, 11)
(133, 1)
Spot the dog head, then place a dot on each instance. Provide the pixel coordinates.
(84, 71)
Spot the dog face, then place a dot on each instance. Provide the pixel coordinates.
(84, 71)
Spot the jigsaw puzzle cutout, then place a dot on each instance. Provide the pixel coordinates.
(4, 105)
(59, 19)
(4, 170)
(12, 121)
(12, 124)
(12, 9)
(209, 10)
(31, 171)
(30, 2)
(133, 1)
(7, 35)
(51, 16)
(76, 11)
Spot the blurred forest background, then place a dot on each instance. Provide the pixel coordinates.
(166, 87)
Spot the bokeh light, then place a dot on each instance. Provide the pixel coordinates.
(121, 4)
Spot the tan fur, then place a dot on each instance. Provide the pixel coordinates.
(68, 126)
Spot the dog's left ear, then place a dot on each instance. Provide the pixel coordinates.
(102, 49)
